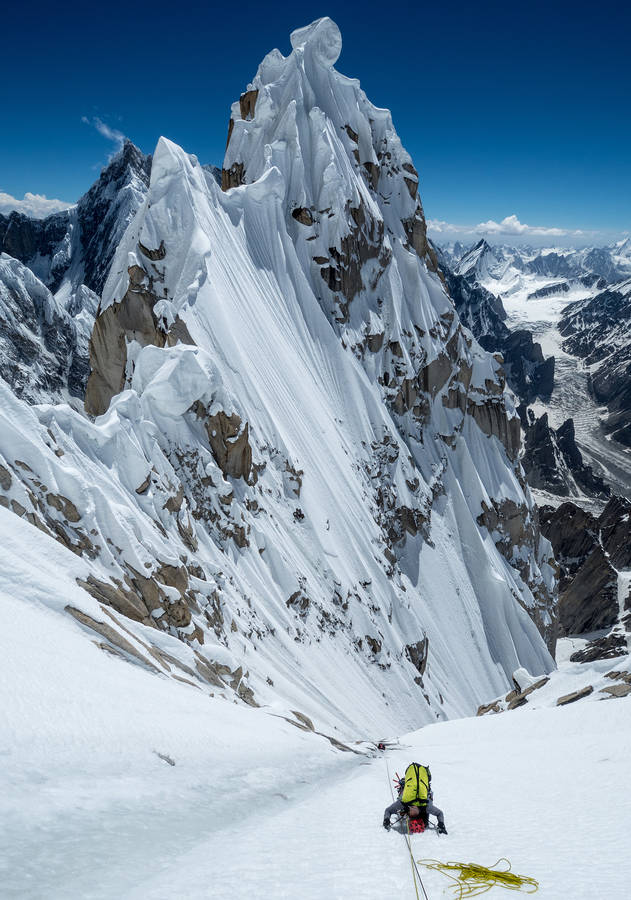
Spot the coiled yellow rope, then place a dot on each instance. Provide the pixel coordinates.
(473, 880)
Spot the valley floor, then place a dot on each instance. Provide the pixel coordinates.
(255, 807)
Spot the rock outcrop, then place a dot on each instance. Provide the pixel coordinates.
(588, 326)
(590, 552)
(553, 462)
(545, 691)
(132, 318)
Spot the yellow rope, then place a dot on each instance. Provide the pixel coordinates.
(473, 880)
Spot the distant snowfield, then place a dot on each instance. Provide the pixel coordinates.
(255, 807)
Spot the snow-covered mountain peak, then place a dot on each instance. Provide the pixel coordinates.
(70, 253)
(347, 177)
(107, 208)
(480, 261)
(302, 466)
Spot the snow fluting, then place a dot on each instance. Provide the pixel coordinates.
(301, 487)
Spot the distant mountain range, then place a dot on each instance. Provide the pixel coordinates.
(50, 288)
(598, 329)
(509, 267)
(596, 282)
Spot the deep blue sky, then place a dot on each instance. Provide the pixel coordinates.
(505, 108)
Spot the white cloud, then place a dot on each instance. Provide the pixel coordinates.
(509, 227)
(38, 206)
(512, 225)
(111, 134)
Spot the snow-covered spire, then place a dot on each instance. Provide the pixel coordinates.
(350, 188)
(288, 361)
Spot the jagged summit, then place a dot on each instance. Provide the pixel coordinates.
(76, 246)
(107, 208)
(336, 152)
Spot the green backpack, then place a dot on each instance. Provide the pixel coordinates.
(417, 785)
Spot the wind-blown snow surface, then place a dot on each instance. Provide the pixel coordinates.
(233, 272)
(253, 805)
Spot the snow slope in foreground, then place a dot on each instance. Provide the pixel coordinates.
(544, 787)
(88, 806)
(255, 807)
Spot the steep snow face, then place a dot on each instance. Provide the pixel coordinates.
(310, 480)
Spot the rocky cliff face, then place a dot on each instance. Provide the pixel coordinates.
(593, 554)
(41, 354)
(302, 481)
(41, 244)
(553, 462)
(599, 331)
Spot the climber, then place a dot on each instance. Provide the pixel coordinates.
(415, 800)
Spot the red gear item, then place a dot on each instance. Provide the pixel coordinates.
(416, 826)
